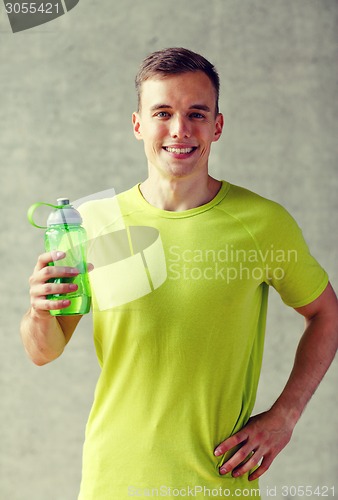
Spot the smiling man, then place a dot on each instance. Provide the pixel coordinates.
(178, 120)
(172, 414)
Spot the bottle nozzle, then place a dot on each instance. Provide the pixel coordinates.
(63, 201)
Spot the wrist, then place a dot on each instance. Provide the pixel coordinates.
(42, 336)
(288, 412)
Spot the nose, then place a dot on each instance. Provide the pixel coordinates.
(179, 127)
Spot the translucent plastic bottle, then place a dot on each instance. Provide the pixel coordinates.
(65, 233)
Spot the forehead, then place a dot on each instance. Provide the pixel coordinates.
(183, 89)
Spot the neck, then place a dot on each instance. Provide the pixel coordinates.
(179, 194)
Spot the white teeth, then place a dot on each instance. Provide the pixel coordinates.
(180, 151)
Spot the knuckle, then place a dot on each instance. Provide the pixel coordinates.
(38, 308)
(242, 454)
(49, 271)
(33, 291)
(238, 438)
(52, 304)
(41, 258)
(260, 436)
(45, 305)
(48, 288)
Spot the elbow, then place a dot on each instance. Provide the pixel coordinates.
(39, 358)
(40, 362)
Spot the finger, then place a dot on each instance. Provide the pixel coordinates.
(58, 288)
(50, 273)
(237, 459)
(230, 443)
(45, 258)
(264, 466)
(40, 291)
(50, 305)
(42, 307)
(50, 288)
(252, 461)
(54, 272)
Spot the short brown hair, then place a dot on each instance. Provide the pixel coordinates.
(175, 60)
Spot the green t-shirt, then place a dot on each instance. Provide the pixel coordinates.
(179, 311)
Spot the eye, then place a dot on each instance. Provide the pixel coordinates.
(162, 114)
(196, 115)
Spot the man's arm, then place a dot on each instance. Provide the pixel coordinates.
(45, 336)
(266, 434)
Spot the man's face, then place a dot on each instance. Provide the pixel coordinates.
(177, 123)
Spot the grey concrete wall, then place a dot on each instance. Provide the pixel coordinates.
(66, 98)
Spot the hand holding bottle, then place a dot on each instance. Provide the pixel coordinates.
(65, 243)
(46, 280)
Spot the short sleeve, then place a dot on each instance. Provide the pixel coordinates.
(290, 268)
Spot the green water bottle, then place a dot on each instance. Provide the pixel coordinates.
(65, 233)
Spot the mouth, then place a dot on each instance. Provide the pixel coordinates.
(179, 151)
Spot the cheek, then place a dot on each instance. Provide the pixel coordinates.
(160, 131)
(207, 138)
(157, 136)
(153, 132)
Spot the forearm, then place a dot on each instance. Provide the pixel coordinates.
(314, 355)
(42, 336)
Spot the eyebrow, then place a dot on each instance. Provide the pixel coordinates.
(201, 107)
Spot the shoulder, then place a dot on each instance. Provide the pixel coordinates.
(253, 208)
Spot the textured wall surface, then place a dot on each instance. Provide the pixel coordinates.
(66, 98)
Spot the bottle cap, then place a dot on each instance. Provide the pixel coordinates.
(65, 215)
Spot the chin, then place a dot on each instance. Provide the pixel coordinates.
(179, 171)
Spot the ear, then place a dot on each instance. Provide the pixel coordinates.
(137, 126)
(219, 122)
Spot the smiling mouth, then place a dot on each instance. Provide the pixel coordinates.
(180, 151)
